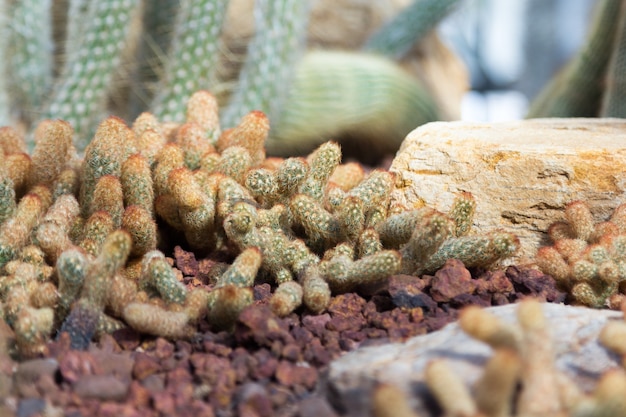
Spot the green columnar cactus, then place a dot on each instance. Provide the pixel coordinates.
(110, 56)
(415, 21)
(158, 22)
(31, 54)
(5, 102)
(193, 57)
(281, 29)
(364, 95)
(613, 104)
(76, 24)
(577, 90)
(80, 97)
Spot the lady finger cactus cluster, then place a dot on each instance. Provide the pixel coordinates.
(520, 378)
(81, 239)
(427, 238)
(587, 259)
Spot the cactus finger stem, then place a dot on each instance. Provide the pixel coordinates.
(286, 298)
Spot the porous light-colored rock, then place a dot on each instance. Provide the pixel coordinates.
(521, 173)
(574, 333)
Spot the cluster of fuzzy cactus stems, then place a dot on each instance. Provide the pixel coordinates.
(80, 236)
(587, 258)
(520, 378)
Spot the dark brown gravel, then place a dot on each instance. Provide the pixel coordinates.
(268, 366)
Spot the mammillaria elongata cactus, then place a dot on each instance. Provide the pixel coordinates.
(80, 253)
(587, 258)
(520, 378)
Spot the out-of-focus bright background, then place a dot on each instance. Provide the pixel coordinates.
(511, 49)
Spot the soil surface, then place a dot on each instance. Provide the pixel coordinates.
(266, 366)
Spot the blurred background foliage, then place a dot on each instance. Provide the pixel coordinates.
(362, 72)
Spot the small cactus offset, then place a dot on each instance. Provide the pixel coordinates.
(90, 258)
(587, 258)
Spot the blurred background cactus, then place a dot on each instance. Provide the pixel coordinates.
(320, 69)
(592, 83)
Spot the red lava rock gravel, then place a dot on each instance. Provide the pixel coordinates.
(269, 366)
